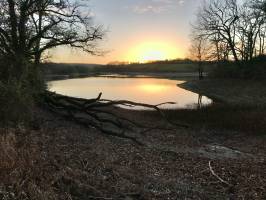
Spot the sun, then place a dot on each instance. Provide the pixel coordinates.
(151, 51)
(152, 55)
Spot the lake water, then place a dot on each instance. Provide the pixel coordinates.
(143, 90)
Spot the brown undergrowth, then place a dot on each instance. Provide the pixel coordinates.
(61, 160)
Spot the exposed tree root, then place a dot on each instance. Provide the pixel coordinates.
(99, 113)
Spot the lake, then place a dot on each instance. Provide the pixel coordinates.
(143, 90)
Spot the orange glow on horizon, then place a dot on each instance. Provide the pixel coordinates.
(132, 51)
(152, 51)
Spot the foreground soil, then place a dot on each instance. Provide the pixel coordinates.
(57, 159)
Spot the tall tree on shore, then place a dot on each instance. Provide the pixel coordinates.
(259, 4)
(28, 28)
(235, 29)
(200, 52)
(219, 18)
(251, 29)
(259, 7)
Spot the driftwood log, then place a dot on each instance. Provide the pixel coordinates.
(99, 114)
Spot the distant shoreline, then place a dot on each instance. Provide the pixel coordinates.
(167, 75)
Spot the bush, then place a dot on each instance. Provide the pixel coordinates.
(225, 70)
(255, 69)
(16, 103)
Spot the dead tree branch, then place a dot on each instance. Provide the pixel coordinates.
(99, 114)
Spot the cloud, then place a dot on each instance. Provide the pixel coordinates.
(181, 2)
(148, 8)
(156, 6)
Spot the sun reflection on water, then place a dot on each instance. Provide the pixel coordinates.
(152, 88)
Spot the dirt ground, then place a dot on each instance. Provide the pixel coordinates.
(57, 159)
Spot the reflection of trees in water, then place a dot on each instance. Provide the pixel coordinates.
(200, 101)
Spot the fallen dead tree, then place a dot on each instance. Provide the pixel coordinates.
(100, 114)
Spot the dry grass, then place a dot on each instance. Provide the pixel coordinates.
(22, 170)
(231, 91)
(244, 119)
(65, 161)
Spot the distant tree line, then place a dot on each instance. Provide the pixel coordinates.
(167, 61)
(55, 70)
(67, 69)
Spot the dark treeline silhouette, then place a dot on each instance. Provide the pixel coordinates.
(162, 66)
(176, 66)
(167, 61)
(67, 69)
(254, 69)
(231, 31)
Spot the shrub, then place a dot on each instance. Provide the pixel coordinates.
(255, 69)
(225, 70)
(16, 103)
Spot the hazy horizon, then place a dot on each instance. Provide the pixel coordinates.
(138, 31)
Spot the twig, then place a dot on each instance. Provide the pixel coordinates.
(98, 198)
(218, 177)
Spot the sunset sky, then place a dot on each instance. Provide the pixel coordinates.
(138, 31)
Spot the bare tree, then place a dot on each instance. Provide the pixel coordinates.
(250, 30)
(200, 52)
(259, 7)
(220, 49)
(28, 28)
(259, 4)
(236, 30)
(219, 18)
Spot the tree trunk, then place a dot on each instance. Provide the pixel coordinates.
(200, 71)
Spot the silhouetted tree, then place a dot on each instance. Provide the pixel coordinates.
(259, 7)
(259, 4)
(200, 51)
(219, 18)
(236, 30)
(28, 28)
(250, 31)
